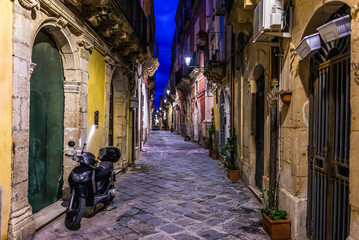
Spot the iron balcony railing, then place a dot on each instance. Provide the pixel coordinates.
(135, 16)
(214, 50)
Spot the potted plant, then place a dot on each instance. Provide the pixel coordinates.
(286, 96)
(228, 153)
(210, 134)
(275, 222)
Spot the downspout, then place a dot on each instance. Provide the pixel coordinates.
(279, 55)
(273, 109)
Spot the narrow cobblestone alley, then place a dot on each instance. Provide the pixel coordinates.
(175, 191)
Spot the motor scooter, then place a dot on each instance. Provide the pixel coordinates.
(92, 182)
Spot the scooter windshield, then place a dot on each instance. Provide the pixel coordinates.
(94, 138)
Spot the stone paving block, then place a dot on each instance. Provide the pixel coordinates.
(212, 234)
(196, 216)
(171, 228)
(173, 192)
(185, 236)
(185, 221)
(141, 227)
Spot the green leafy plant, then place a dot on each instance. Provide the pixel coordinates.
(229, 151)
(272, 213)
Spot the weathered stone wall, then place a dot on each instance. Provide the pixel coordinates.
(74, 42)
(354, 136)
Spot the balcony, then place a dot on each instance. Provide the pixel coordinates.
(183, 82)
(135, 16)
(196, 65)
(214, 59)
(121, 22)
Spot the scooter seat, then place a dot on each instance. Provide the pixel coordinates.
(104, 170)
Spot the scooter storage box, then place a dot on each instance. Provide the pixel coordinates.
(104, 170)
(110, 154)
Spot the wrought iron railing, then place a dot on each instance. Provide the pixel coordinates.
(135, 16)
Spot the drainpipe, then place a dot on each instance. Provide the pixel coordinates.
(273, 109)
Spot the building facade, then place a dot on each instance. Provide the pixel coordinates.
(306, 144)
(193, 99)
(78, 71)
(293, 109)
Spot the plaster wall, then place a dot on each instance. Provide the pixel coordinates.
(96, 102)
(74, 42)
(6, 69)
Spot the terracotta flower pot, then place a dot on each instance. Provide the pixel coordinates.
(214, 156)
(286, 96)
(276, 229)
(233, 175)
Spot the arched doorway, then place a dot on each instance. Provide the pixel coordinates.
(46, 124)
(259, 138)
(329, 139)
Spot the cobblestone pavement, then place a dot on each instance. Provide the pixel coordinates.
(175, 191)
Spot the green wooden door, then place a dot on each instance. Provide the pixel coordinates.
(46, 124)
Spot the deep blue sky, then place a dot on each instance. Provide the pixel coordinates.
(165, 11)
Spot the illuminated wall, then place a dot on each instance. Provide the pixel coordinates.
(6, 64)
(96, 101)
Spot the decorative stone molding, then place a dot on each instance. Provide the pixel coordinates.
(354, 11)
(32, 67)
(110, 61)
(74, 2)
(150, 66)
(83, 42)
(61, 22)
(195, 72)
(273, 95)
(33, 5)
(72, 87)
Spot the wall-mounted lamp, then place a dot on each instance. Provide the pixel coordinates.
(187, 60)
(168, 91)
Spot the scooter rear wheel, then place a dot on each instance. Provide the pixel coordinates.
(73, 217)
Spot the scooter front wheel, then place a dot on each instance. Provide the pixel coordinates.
(75, 213)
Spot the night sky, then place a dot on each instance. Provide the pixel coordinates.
(165, 11)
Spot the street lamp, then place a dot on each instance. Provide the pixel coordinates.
(168, 92)
(187, 60)
(165, 100)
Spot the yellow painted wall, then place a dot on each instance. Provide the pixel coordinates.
(6, 66)
(96, 101)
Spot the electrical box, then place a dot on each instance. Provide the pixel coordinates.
(268, 17)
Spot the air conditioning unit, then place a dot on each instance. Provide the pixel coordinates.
(267, 19)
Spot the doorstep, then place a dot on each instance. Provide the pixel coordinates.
(256, 192)
(48, 214)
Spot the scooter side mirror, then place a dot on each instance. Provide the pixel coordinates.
(71, 143)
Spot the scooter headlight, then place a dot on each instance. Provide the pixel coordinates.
(80, 176)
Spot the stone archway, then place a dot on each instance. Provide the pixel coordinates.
(329, 128)
(21, 211)
(120, 108)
